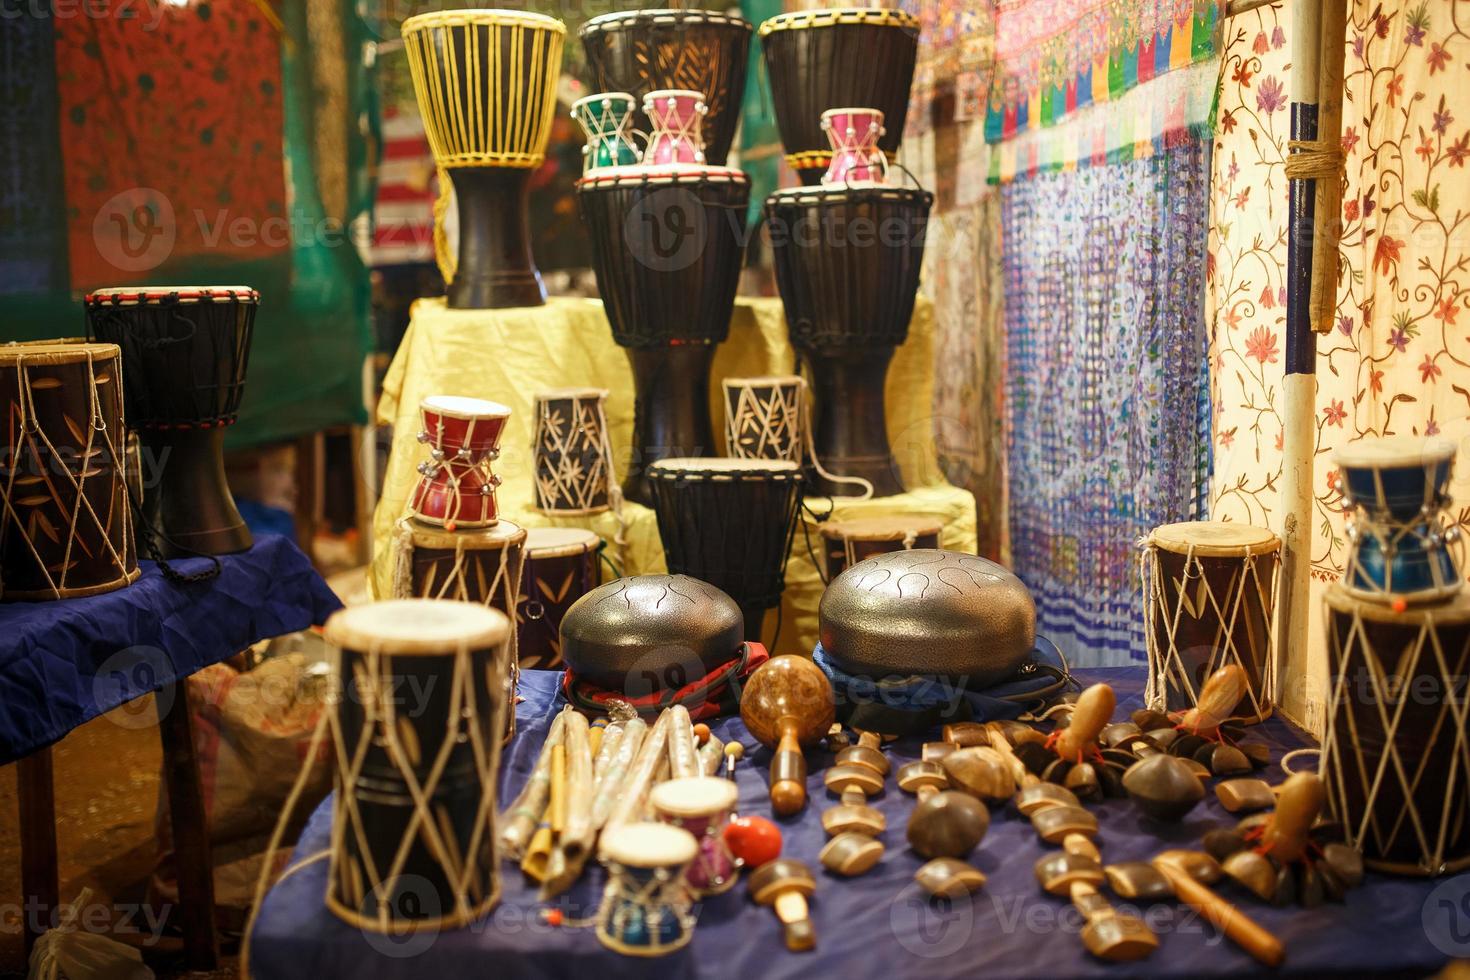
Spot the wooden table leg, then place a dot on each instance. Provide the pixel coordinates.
(192, 859)
(41, 890)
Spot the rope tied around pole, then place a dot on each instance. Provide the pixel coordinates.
(1315, 160)
(1322, 161)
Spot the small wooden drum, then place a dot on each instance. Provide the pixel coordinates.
(573, 455)
(416, 740)
(1396, 755)
(185, 350)
(729, 522)
(457, 487)
(1209, 596)
(607, 120)
(854, 135)
(646, 908)
(677, 118)
(765, 417)
(703, 806)
(846, 543)
(561, 567)
(66, 529)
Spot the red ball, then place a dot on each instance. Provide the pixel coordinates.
(554, 917)
(754, 840)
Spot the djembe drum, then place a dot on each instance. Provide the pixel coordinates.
(184, 355)
(486, 87)
(1209, 595)
(415, 733)
(646, 908)
(667, 246)
(847, 265)
(845, 543)
(67, 529)
(828, 59)
(854, 135)
(572, 453)
(641, 51)
(729, 522)
(456, 487)
(606, 119)
(561, 567)
(1396, 755)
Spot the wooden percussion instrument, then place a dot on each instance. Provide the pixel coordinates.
(668, 243)
(846, 543)
(1209, 595)
(561, 567)
(828, 59)
(787, 706)
(729, 522)
(607, 120)
(849, 294)
(702, 805)
(416, 739)
(456, 486)
(573, 453)
(646, 908)
(1396, 754)
(184, 356)
(676, 117)
(67, 529)
(706, 51)
(854, 135)
(486, 87)
(765, 417)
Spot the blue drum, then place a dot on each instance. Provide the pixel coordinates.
(1409, 562)
(1401, 479)
(647, 906)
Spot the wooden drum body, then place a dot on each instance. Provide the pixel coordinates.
(729, 522)
(847, 265)
(646, 908)
(66, 529)
(185, 351)
(573, 454)
(486, 87)
(1396, 756)
(561, 567)
(820, 60)
(641, 51)
(417, 749)
(765, 417)
(845, 543)
(1209, 594)
(668, 243)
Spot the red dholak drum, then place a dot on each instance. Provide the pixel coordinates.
(457, 487)
(667, 243)
(561, 567)
(184, 354)
(66, 529)
(705, 51)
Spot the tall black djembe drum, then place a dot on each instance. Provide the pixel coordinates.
(184, 354)
(667, 244)
(847, 265)
(641, 51)
(833, 59)
(486, 86)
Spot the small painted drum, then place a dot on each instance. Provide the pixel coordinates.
(1209, 596)
(764, 417)
(1401, 562)
(457, 488)
(1396, 754)
(573, 454)
(607, 120)
(561, 567)
(703, 806)
(677, 118)
(846, 543)
(1396, 478)
(646, 908)
(729, 522)
(854, 135)
(66, 529)
(415, 736)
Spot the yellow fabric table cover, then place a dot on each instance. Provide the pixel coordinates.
(509, 355)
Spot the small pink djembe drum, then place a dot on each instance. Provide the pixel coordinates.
(457, 488)
(854, 135)
(702, 805)
(677, 117)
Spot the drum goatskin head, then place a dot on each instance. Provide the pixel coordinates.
(928, 611)
(650, 633)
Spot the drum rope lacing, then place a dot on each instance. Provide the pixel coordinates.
(668, 124)
(1375, 518)
(590, 421)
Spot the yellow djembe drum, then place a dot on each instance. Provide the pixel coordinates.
(486, 87)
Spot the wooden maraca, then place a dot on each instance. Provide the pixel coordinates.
(787, 705)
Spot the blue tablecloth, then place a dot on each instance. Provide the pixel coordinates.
(879, 925)
(64, 663)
